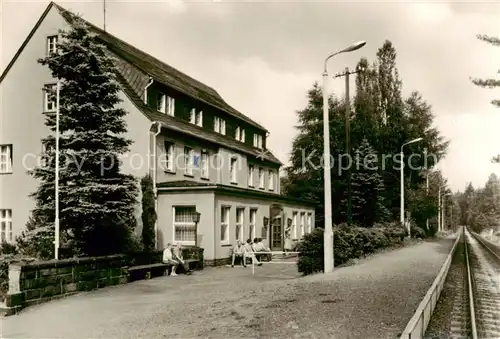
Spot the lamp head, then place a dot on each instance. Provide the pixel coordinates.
(355, 46)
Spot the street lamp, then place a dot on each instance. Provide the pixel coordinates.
(328, 232)
(56, 189)
(196, 220)
(402, 208)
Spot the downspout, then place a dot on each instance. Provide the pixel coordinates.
(155, 189)
(151, 80)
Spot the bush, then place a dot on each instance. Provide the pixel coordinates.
(350, 242)
(148, 213)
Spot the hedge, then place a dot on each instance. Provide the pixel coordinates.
(350, 242)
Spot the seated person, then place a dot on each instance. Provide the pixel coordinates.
(259, 246)
(239, 251)
(249, 252)
(169, 259)
(177, 255)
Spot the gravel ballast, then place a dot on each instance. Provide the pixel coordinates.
(453, 304)
(372, 299)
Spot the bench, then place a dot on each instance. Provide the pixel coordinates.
(159, 269)
(147, 271)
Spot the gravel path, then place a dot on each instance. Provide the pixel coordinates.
(372, 299)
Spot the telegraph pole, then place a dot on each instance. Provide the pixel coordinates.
(346, 74)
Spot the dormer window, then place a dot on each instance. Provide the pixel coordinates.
(240, 134)
(161, 102)
(220, 125)
(257, 140)
(196, 117)
(170, 106)
(51, 44)
(165, 104)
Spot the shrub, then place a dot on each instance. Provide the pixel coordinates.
(148, 213)
(350, 242)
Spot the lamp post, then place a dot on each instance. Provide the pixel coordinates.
(196, 219)
(56, 221)
(439, 208)
(402, 207)
(328, 232)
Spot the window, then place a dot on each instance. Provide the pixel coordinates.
(271, 181)
(302, 217)
(250, 175)
(309, 222)
(184, 226)
(188, 160)
(50, 98)
(168, 163)
(196, 117)
(233, 170)
(51, 44)
(170, 106)
(294, 225)
(220, 125)
(224, 224)
(204, 164)
(257, 140)
(5, 159)
(5, 225)
(251, 226)
(161, 102)
(240, 134)
(261, 177)
(240, 215)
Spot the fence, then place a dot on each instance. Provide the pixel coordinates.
(274, 261)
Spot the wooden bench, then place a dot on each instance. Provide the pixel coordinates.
(189, 263)
(145, 271)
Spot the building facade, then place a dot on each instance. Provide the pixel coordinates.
(205, 157)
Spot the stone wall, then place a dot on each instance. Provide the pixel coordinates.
(37, 282)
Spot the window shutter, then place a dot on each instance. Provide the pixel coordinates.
(191, 116)
(242, 135)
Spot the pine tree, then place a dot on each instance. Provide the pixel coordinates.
(367, 187)
(97, 201)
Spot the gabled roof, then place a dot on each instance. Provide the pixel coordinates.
(189, 185)
(136, 67)
(163, 72)
(179, 125)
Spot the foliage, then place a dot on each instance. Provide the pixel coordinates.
(97, 201)
(37, 239)
(350, 242)
(367, 187)
(480, 207)
(148, 213)
(382, 118)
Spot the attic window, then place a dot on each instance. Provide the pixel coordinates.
(257, 141)
(51, 44)
(240, 134)
(196, 117)
(220, 125)
(161, 102)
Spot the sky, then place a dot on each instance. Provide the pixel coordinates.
(262, 57)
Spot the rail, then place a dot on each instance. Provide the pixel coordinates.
(273, 261)
(482, 242)
(417, 325)
(471, 296)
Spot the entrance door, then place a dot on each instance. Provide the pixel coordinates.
(276, 229)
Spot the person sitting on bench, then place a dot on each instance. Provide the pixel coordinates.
(260, 248)
(239, 251)
(249, 252)
(177, 253)
(168, 259)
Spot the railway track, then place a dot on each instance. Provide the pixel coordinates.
(483, 266)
